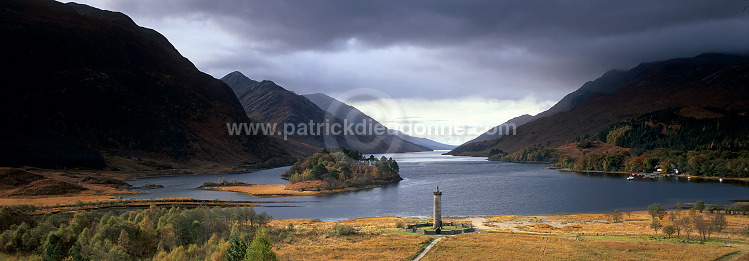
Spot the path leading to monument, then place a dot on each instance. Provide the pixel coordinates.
(426, 249)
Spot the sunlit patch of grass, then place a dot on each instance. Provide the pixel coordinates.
(486, 246)
(375, 238)
(358, 247)
(538, 237)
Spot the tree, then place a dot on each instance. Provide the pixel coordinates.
(167, 237)
(614, 216)
(124, 239)
(702, 226)
(666, 166)
(669, 230)
(53, 249)
(655, 225)
(196, 231)
(75, 253)
(237, 249)
(686, 224)
(657, 210)
(261, 249)
(319, 170)
(699, 205)
(719, 222)
(675, 219)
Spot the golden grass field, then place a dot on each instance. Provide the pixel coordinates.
(507, 246)
(279, 190)
(275, 190)
(376, 239)
(532, 237)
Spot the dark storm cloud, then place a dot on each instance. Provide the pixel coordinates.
(295, 25)
(540, 48)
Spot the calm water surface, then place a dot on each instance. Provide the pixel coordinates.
(471, 187)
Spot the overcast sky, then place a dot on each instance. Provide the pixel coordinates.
(461, 63)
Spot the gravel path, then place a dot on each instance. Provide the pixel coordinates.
(429, 247)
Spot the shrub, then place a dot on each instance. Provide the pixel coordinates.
(342, 230)
(699, 205)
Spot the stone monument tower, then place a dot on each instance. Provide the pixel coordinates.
(437, 208)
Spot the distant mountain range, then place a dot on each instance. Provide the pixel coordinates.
(269, 103)
(344, 111)
(708, 82)
(88, 88)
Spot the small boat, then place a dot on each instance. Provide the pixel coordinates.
(720, 180)
(630, 178)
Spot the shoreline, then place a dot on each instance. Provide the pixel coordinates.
(279, 190)
(588, 171)
(627, 172)
(126, 175)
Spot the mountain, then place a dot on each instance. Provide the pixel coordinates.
(269, 103)
(88, 88)
(342, 110)
(503, 128)
(434, 145)
(480, 144)
(714, 81)
(608, 83)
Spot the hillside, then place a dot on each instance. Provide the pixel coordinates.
(342, 110)
(488, 139)
(269, 103)
(609, 82)
(716, 81)
(89, 88)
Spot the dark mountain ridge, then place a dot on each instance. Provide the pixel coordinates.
(85, 87)
(267, 102)
(708, 80)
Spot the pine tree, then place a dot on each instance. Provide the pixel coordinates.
(261, 249)
(53, 250)
(237, 249)
(76, 253)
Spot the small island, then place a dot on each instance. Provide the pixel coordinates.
(329, 171)
(341, 168)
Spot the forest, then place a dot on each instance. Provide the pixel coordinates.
(342, 168)
(159, 233)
